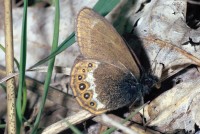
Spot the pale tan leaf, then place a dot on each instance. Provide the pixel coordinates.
(178, 107)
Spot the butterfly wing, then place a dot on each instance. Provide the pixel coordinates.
(98, 40)
(101, 87)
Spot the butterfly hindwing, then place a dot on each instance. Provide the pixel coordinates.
(101, 87)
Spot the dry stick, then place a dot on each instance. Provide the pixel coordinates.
(56, 69)
(134, 126)
(10, 84)
(62, 124)
(116, 124)
(84, 115)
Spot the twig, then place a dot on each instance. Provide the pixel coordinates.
(56, 69)
(11, 119)
(134, 126)
(109, 121)
(62, 125)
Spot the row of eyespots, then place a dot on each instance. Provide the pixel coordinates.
(88, 96)
(82, 87)
(90, 65)
(81, 77)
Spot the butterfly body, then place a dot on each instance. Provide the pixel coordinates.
(106, 76)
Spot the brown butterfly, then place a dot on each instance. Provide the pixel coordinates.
(107, 75)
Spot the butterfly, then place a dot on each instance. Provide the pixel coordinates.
(107, 75)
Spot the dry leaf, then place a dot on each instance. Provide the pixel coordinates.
(178, 107)
(162, 28)
(172, 58)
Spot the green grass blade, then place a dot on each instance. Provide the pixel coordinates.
(50, 66)
(73, 128)
(65, 44)
(24, 99)
(3, 86)
(102, 6)
(122, 23)
(2, 125)
(15, 60)
(22, 67)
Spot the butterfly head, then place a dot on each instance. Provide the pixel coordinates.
(148, 81)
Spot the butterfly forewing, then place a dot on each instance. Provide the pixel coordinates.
(98, 40)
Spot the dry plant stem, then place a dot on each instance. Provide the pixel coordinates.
(84, 115)
(56, 69)
(135, 127)
(62, 125)
(116, 124)
(10, 84)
